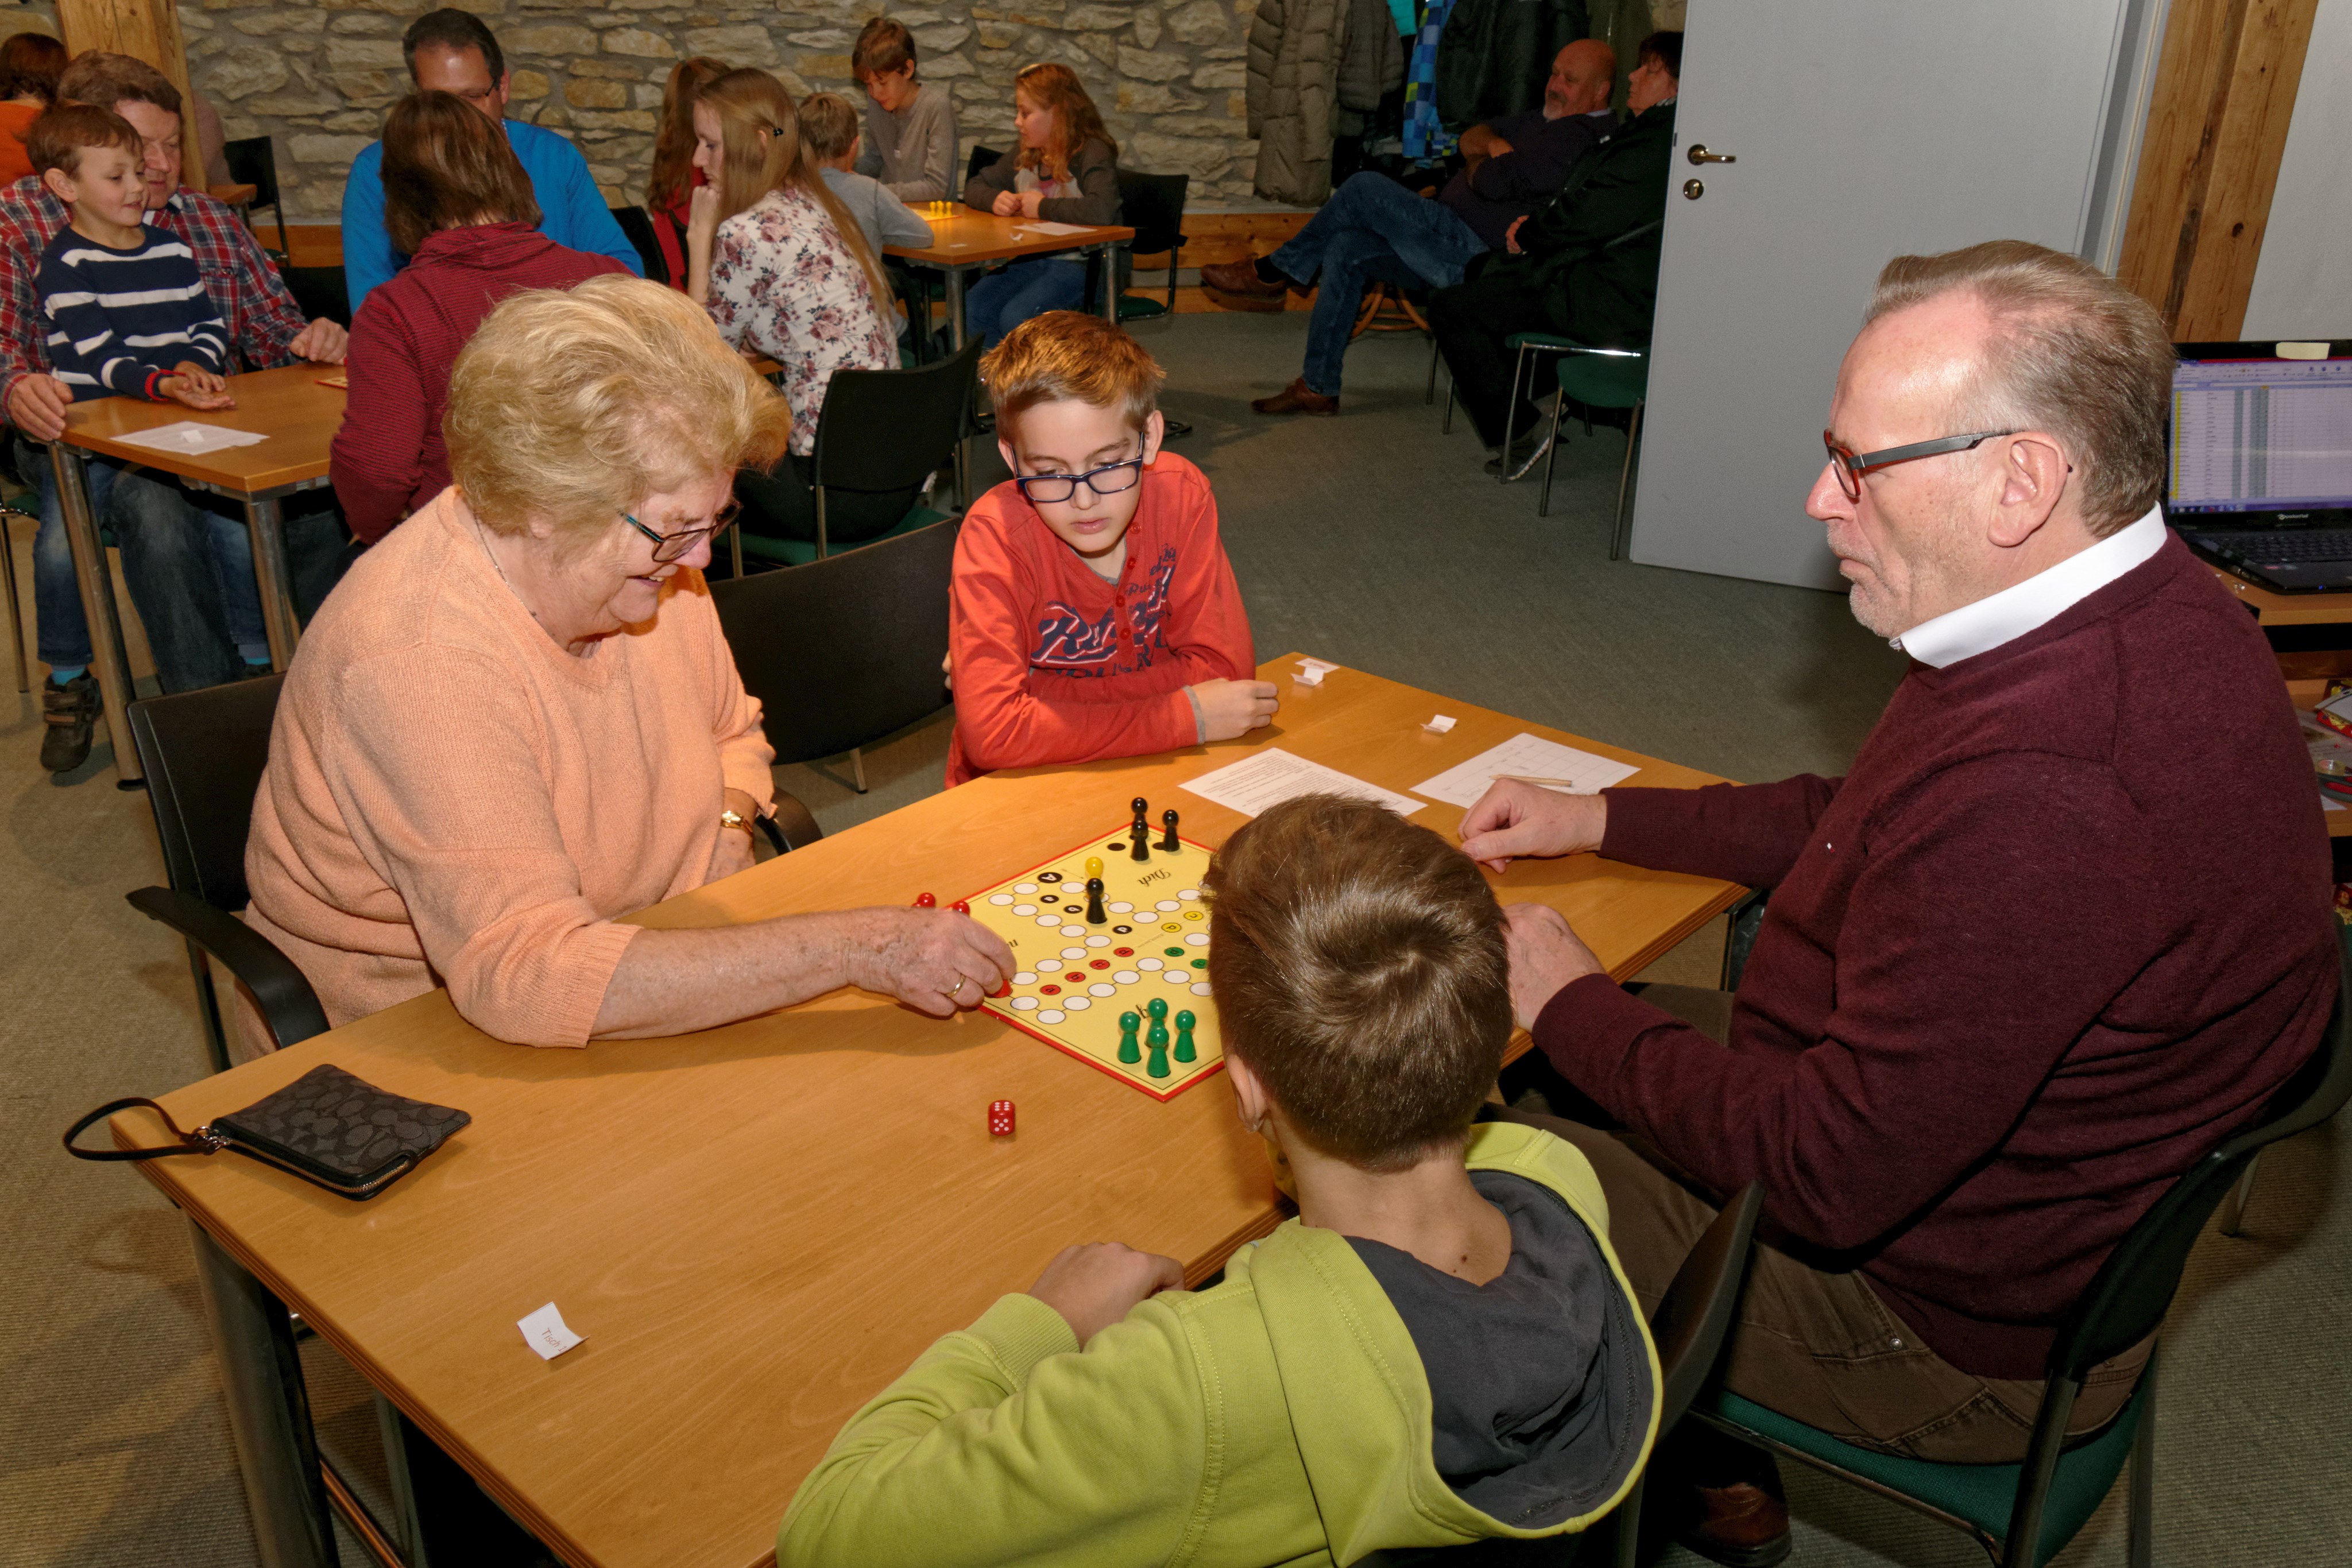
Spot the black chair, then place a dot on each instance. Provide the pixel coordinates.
(982, 157)
(2023, 1515)
(880, 436)
(1154, 206)
(319, 291)
(205, 753)
(254, 161)
(846, 650)
(638, 225)
(1690, 1326)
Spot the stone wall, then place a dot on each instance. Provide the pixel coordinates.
(1168, 73)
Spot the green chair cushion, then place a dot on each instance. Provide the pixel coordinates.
(1981, 1494)
(800, 552)
(1133, 307)
(1606, 381)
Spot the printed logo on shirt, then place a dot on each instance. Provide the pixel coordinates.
(1070, 644)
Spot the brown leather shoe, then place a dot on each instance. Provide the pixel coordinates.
(1297, 398)
(1741, 1526)
(1240, 287)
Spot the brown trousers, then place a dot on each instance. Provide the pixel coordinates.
(1820, 1348)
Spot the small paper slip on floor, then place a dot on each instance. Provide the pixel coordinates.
(1525, 753)
(545, 1332)
(1274, 776)
(190, 438)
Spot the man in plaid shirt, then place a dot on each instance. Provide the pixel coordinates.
(189, 566)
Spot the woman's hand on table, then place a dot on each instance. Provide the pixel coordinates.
(1547, 955)
(1514, 818)
(934, 960)
(1095, 1285)
(322, 342)
(1007, 204)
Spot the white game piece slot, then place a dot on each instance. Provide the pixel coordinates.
(1077, 1004)
(1125, 977)
(1200, 987)
(1027, 977)
(1022, 1004)
(1101, 990)
(1000, 900)
(1049, 1015)
(1025, 887)
(1149, 963)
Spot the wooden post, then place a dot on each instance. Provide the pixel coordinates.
(147, 30)
(2217, 126)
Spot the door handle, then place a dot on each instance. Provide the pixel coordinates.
(1699, 154)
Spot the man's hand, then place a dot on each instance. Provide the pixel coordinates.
(322, 342)
(1511, 236)
(1095, 1285)
(37, 405)
(193, 385)
(1545, 956)
(1007, 204)
(1514, 818)
(1231, 709)
(934, 960)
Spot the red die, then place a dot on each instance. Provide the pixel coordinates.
(999, 1118)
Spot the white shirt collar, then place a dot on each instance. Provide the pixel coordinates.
(1998, 618)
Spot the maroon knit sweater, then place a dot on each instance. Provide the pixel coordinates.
(387, 460)
(2061, 929)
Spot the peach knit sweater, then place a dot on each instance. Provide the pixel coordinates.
(453, 800)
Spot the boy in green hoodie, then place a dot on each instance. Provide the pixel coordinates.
(1441, 1347)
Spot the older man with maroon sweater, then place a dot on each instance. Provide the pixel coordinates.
(2061, 929)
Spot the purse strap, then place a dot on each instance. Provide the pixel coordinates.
(203, 1141)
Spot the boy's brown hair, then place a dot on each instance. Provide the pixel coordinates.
(447, 165)
(882, 46)
(828, 125)
(62, 133)
(1070, 354)
(1359, 970)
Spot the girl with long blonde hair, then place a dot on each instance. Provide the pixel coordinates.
(785, 271)
(1065, 171)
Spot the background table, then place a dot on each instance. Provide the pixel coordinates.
(757, 1227)
(965, 241)
(289, 407)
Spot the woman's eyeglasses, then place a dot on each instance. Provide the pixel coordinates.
(669, 547)
(1851, 465)
(1049, 489)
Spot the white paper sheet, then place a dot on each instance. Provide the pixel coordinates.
(190, 438)
(546, 1332)
(1037, 226)
(1527, 754)
(1274, 776)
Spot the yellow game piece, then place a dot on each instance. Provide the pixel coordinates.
(1094, 865)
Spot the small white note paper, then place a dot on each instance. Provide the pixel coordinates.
(1525, 754)
(1274, 776)
(189, 438)
(1318, 668)
(1307, 677)
(545, 1332)
(1036, 226)
(1440, 723)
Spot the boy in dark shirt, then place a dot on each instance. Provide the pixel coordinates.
(1440, 1348)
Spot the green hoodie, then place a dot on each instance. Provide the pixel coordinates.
(1281, 1416)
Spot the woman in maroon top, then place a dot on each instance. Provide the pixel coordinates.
(675, 178)
(457, 203)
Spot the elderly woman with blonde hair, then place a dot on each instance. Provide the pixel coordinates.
(516, 719)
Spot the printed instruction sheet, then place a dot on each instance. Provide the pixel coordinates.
(1274, 776)
(1531, 757)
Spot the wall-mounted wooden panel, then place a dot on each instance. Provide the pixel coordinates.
(2216, 125)
(145, 30)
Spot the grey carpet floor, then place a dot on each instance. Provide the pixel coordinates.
(1370, 540)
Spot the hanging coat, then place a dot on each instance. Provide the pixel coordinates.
(1495, 55)
(1297, 88)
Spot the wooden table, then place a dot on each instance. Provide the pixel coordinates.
(289, 406)
(757, 1227)
(965, 241)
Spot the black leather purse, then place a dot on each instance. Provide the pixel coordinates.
(327, 1127)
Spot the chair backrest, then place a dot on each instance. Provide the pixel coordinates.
(887, 430)
(2133, 1290)
(638, 225)
(205, 753)
(254, 161)
(319, 291)
(982, 157)
(846, 650)
(1153, 205)
(1694, 1317)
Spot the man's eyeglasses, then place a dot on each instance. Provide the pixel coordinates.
(1048, 488)
(1851, 465)
(669, 547)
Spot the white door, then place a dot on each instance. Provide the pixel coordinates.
(1863, 130)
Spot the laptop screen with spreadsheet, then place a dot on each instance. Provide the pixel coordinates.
(2260, 436)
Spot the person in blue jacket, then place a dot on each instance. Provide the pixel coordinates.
(452, 51)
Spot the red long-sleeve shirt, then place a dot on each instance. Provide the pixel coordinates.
(1053, 664)
(387, 460)
(2063, 929)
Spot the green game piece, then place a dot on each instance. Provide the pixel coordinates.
(1184, 1051)
(1128, 1051)
(1156, 1037)
(1173, 952)
(1158, 1007)
(1157, 1066)
(1199, 963)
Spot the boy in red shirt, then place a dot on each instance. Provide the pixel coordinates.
(1094, 613)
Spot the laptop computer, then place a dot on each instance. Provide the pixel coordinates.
(2259, 477)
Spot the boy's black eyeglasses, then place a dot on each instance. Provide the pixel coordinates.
(669, 547)
(1052, 488)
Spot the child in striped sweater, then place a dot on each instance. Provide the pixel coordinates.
(126, 308)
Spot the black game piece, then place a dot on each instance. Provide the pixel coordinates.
(1140, 836)
(1094, 915)
(1168, 821)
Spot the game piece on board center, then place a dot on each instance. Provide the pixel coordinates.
(1094, 915)
(1168, 821)
(925, 901)
(999, 1118)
